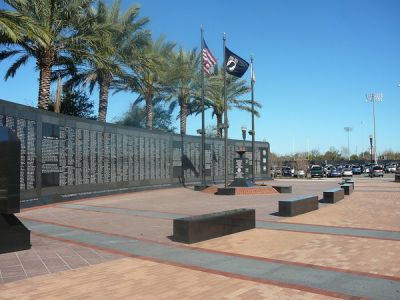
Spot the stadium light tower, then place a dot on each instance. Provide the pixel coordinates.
(348, 129)
(374, 97)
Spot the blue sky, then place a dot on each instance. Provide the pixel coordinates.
(314, 62)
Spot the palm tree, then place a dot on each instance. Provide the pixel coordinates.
(236, 88)
(68, 30)
(186, 85)
(106, 68)
(14, 26)
(148, 74)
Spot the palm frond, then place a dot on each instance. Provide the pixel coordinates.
(15, 66)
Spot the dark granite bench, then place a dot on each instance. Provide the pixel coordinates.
(203, 227)
(348, 188)
(397, 176)
(296, 206)
(347, 180)
(283, 188)
(333, 195)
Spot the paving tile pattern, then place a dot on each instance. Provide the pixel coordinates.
(132, 278)
(48, 256)
(348, 253)
(363, 209)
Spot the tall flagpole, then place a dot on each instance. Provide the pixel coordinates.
(225, 119)
(252, 122)
(203, 136)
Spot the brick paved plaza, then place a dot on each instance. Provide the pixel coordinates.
(120, 247)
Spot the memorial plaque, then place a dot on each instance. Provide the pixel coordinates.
(152, 159)
(113, 158)
(93, 157)
(86, 156)
(142, 158)
(125, 158)
(120, 158)
(241, 166)
(176, 159)
(78, 156)
(50, 155)
(100, 158)
(130, 158)
(136, 159)
(107, 157)
(263, 153)
(164, 158)
(30, 155)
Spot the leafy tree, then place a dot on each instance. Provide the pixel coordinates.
(75, 103)
(67, 28)
(137, 117)
(332, 155)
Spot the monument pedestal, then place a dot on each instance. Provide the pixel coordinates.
(241, 171)
(14, 236)
(199, 187)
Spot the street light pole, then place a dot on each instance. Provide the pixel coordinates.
(370, 144)
(348, 129)
(374, 97)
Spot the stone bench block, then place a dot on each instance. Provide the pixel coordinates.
(283, 188)
(333, 195)
(348, 188)
(296, 206)
(203, 227)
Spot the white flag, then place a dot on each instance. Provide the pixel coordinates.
(253, 76)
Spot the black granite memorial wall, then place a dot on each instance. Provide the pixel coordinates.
(64, 157)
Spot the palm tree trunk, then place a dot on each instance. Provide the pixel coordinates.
(103, 99)
(44, 64)
(183, 116)
(219, 125)
(149, 111)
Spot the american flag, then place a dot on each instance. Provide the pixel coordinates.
(208, 59)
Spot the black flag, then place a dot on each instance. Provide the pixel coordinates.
(235, 65)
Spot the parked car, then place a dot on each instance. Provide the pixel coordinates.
(286, 171)
(391, 168)
(377, 171)
(335, 172)
(347, 172)
(356, 170)
(316, 171)
(367, 168)
(300, 174)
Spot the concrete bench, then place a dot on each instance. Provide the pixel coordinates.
(397, 176)
(296, 206)
(283, 188)
(347, 181)
(203, 227)
(348, 188)
(333, 195)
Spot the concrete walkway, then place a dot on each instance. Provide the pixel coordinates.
(291, 275)
(118, 246)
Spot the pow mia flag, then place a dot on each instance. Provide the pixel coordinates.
(235, 65)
